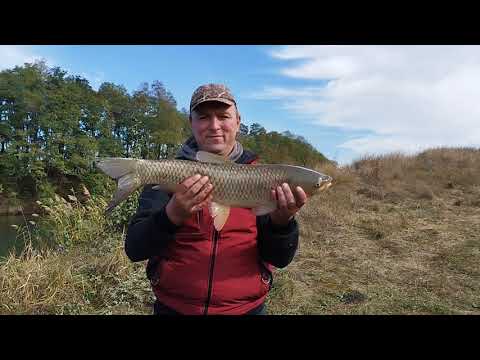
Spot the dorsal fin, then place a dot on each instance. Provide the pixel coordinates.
(207, 157)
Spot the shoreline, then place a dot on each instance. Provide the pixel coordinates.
(7, 208)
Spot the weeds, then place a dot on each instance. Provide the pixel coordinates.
(394, 234)
(82, 268)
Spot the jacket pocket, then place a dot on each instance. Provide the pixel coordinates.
(152, 270)
(266, 277)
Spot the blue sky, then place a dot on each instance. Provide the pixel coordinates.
(347, 101)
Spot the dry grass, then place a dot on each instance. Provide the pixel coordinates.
(88, 273)
(394, 235)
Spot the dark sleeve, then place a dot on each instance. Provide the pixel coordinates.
(150, 230)
(277, 245)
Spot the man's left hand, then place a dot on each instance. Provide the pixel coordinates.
(287, 203)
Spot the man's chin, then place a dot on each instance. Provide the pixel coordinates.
(215, 148)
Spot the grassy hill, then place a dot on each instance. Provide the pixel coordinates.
(394, 235)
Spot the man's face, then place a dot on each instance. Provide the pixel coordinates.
(215, 126)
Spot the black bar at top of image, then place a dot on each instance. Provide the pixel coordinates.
(326, 37)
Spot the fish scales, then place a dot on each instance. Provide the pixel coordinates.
(233, 184)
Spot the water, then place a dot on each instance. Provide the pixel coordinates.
(8, 235)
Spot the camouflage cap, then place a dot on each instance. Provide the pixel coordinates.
(212, 92)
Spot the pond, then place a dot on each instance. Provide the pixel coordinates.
(8, 235)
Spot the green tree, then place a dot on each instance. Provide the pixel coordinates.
(53, 125)
(257, 129)
(243, 130)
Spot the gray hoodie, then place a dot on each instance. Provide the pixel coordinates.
(190, 147)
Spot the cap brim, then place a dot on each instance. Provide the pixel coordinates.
(222, 100)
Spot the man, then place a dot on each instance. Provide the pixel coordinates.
(194, 269)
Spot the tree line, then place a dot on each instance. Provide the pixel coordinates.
(53, 125)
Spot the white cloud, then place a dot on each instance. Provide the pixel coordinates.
(408, 97)
(13, 55)
(95, 79)
(17, 55)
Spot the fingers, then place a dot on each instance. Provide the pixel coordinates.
(273, 194)
(187, 183)
(197, 187)
(196, 194)
(192, 185)
(290, 199)
(281, 200)
(286, 199)
(301, 197)
(202, 204)
(201, 195)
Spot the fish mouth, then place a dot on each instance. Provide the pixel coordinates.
(325, 182)
(325, 186)
(326, 179)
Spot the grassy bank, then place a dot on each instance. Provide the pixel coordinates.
(394, 235)
(77, 265)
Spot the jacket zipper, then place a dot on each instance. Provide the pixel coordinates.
(212, 265)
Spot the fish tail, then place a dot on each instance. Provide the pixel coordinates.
(125, 172)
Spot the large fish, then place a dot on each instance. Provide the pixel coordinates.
(234, 185)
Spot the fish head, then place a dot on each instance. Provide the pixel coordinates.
(311, 181)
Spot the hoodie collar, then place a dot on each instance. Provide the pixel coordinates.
(190, 147)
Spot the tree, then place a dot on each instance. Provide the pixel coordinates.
(52, 126)
(243, 130)
(257, 129)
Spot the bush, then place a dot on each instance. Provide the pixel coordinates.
(122, 214)
(82, 270)
(70, 223)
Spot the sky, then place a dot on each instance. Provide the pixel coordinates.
(347, 101)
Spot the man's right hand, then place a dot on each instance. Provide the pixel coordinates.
(191, 195)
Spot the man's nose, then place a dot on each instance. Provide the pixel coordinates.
(214, 122)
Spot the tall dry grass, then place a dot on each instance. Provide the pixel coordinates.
(394, 234)
(81, 269)
(426, 175)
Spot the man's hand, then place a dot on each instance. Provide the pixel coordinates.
(287, 203)
(191, 195)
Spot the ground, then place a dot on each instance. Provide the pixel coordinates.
(393, 235)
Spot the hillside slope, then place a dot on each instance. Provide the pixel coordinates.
(393, 235)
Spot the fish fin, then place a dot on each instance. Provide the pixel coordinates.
(126, 185)
(220, 214)
(116, 167)
(264, 209)
(124, 171)
(207, 157)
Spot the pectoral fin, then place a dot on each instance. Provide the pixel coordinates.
(219, 214)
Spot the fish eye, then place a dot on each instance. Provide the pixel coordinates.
(317, 185)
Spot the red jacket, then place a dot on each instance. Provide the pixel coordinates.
(208, 272)
(194, 269)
